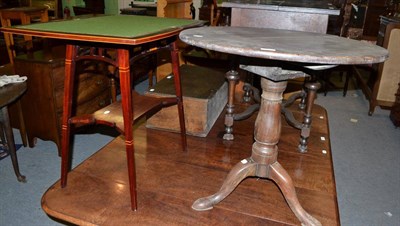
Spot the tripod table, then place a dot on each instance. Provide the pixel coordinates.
(281, 45)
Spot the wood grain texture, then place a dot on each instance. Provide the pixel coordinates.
(169, 180)
(285, 45)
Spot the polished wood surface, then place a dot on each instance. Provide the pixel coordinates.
(284, 45)
(169, 180)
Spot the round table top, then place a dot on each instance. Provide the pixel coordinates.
(285, 45)
(11, 92)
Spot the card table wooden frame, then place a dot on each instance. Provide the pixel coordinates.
(123, 33)
(280, 45)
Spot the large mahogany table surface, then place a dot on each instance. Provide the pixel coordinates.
(169, 180)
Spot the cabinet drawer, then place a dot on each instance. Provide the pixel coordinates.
(88, 87)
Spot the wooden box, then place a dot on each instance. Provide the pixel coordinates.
(205, 95)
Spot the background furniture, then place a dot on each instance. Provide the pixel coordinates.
(42, 104)
(24, 15)
(170, 9)
(9, 94)
(91, 7)
(54, 7)
(289, 14)
(388, 76)
(9, 17)
(174, 8)
(361, 17)
(218, 16)
(148, 8)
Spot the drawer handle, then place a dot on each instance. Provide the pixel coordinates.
(99, 82)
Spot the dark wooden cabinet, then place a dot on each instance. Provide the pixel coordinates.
(374, 10)
(43, 101)
(91, 7)
(361, 17)
(385, 26)
(9, 4)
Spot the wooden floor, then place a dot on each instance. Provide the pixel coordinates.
(169, 181)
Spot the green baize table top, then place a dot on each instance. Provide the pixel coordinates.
(113, 26)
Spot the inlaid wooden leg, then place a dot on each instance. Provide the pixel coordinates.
(243, 169)
(127, 112)
(71, 51)
(282, 179)
(232, 76)
(178, 92)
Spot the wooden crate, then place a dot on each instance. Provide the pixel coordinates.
(205, 94)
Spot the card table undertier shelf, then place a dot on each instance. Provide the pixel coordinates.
(169, 180)
(111, 115)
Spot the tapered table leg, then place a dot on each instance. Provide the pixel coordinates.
(263, 161)
(70, 64)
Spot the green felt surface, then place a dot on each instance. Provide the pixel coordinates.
(125, 26)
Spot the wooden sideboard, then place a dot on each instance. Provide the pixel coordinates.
(43, 101)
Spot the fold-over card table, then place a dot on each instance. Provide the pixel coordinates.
(124, 33)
